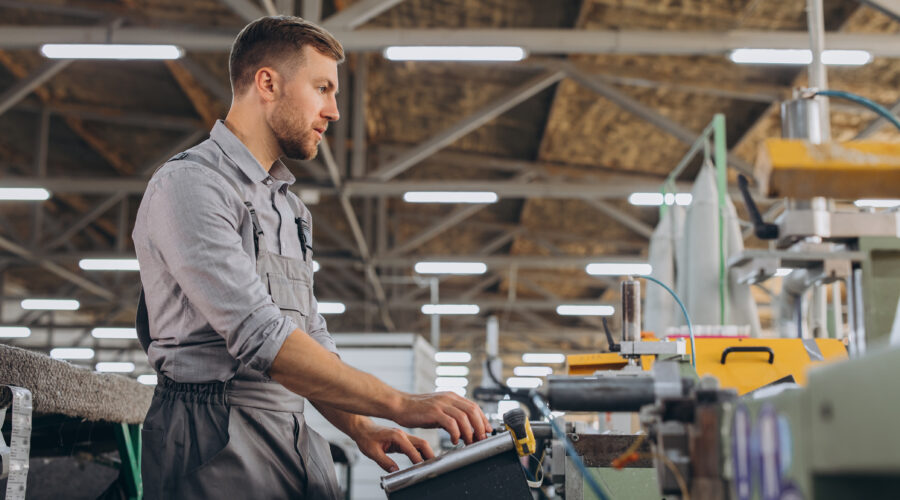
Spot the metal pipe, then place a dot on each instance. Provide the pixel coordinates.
(818, 77)
(631, 311)
(603, 393)
(435, 318)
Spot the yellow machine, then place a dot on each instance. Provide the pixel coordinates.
(743, 364)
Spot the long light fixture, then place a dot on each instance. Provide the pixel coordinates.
(452, 371)
(316, 266)
(450, 197)
(584, 310)
(458, 53)
(109, 264)
(451, 267)
(524, 382)
(147, 379)
(72, 353)
(875, 203)
(800, 56)
(24, 194)
(110, 51)
(451, 382)
(532, 371)
(458, 390)
(114, 333)
(452, 357)
(617, 269)
(543, 357)
(114, 366)
(783, 271)
(657, 199)
(331, 308)
(450, 309)
(50, 304)
(14, 332)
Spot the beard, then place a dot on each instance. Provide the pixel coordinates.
(297, 141)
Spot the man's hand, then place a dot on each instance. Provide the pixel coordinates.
(375, 442)
(457, 415)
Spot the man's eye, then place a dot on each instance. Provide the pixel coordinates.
(323, 89)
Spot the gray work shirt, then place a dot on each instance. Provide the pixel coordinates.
(210, 313)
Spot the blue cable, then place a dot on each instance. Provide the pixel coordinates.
(858, 99)
(573, 454)
(683, 311)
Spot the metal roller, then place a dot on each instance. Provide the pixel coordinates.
(599, 393)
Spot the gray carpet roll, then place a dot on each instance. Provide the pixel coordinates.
(60, 387)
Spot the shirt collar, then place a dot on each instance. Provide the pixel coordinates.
(246, 162)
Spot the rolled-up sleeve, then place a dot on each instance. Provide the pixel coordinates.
(194, 220)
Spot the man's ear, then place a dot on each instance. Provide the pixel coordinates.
(267, 83)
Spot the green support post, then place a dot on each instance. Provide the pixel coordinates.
(129, 438)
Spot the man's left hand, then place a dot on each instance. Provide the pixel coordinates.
(376, 441)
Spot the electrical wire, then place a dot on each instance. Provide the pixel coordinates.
(687, 317)
(679, 479)
(570, 449)
(858, 99)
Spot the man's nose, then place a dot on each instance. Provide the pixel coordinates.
(331, 112)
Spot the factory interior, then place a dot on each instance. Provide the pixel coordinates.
(657, 242)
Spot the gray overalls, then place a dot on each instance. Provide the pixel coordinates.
(245, 437)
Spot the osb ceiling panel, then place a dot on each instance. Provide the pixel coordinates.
(410, 102)
(478, 14)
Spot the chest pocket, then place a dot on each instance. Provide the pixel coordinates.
(292, 296)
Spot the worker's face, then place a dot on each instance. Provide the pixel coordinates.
(302, 110)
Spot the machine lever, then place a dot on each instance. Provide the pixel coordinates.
(763, 349)
(763, 230)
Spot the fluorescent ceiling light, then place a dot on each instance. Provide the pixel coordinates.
(452, 371)
(50, 304)
(584, 310)
(452, 357)
(873, 203)
(24, 194)
(14, 332)
(72, 353)
(110, 51)
(800, 56)
(114, 367)
(459, 390)
(114, 333)
(783, 271)
(657, 199)
(109, 264)
(532, 371)
(451, 267)
(450, 197)
(506, 405)
(450, 309)
(543, 357)
(524, 382)
(459, 53)
(617, 269)
(451, 382)
(147, 379)
(316, 266)
(331, 308)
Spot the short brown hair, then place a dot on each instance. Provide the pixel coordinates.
(271, 41)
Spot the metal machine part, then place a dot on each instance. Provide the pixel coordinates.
(631, 311)
(458, 458)
(801, 118)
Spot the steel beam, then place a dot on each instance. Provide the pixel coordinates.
(23, 87)
(358, 235)
(247, 10)
(645, 112)
(58, 270)
(358, 115)
(358, 14)
(211, 82)
(458, 215)
(418, 153)
(535, 41)
(115, 116)
(626, 219)
(876, 124)
(890, 8)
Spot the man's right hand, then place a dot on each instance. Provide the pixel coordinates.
(457, 415)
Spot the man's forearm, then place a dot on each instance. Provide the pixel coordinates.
(308, 369)
(350, 424)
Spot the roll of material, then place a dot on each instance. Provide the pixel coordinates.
(14, 457)
(631, 311)
(599, 393)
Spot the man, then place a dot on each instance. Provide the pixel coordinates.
(227, 315)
